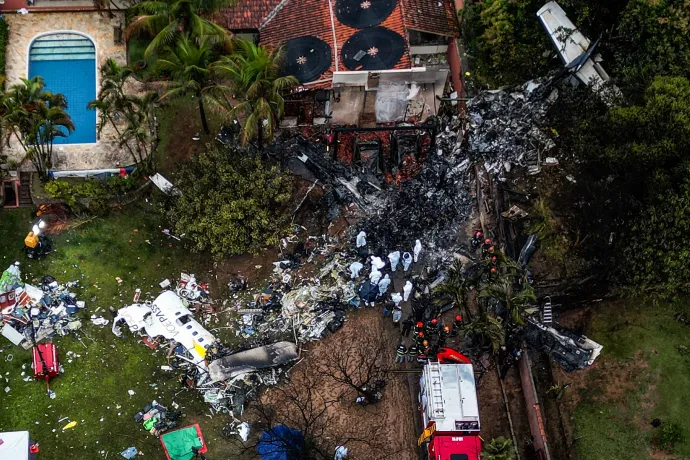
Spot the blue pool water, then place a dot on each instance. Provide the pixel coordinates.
(67, 64)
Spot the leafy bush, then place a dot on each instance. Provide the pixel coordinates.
(505, 42)
(498, 449)
(230, 202)
(669, 436)
(90, 195)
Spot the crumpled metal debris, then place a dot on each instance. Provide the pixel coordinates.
(510, 127)
(37, 312)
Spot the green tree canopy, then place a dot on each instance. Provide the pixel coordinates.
(188, 63)
(652, 39)
(168, 21)
(252, 76)
(230, 202)
(35, 118)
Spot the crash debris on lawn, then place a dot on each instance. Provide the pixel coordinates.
(31, 313)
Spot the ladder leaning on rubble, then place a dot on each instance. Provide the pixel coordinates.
(436, 394)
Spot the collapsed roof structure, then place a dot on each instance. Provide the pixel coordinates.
(366, 51)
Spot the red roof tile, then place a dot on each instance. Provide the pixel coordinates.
(247, 14)
(296, 18)
(433, 16)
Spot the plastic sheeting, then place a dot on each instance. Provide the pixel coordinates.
(391, 102)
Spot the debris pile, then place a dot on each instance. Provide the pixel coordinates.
(157, 419)
(30, 314)
(509, 128)
(430, 205)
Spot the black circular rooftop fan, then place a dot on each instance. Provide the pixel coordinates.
(306, 58)
(375, 48)
(359, 14)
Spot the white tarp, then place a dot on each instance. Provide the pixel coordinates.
(14, 445)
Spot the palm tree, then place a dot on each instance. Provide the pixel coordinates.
(499, 449)
(252, 76)
(502, 289)
(115, 107)
(168, 21)
(454, 288)
(35, 117)
(487, 330)
(188, 65)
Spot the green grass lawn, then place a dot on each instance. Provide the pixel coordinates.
(136, 47)
(93, 391)
(641, 376)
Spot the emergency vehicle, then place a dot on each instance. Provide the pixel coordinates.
(450, 412)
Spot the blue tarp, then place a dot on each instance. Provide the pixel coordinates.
(280, 443)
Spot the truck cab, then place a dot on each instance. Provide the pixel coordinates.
(450, 412)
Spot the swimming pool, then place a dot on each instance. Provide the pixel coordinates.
(67, 63)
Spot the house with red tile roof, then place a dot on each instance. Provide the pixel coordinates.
(359, 62)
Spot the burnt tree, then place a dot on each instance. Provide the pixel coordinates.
(362, 365)
(301, 403)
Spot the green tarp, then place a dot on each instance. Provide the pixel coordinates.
(179, 443)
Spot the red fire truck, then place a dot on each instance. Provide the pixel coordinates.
(450, 412)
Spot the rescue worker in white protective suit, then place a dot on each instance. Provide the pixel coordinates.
(361, 239)
(396, 298)
(375, 276)
(377, 263)
(355, 267)
(383, 284)
(394, 258)
(407, 290)
(406, 261)
(417, 250)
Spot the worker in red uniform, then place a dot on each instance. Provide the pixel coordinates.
(476, 239)
(422, 353)
(431, 327)
(488, 247)
(443, 336)
(457, 325)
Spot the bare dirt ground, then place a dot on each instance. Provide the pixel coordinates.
(397, 411)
